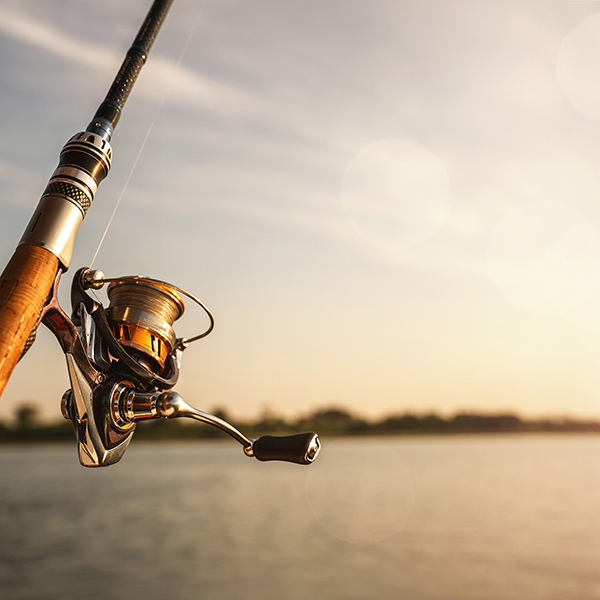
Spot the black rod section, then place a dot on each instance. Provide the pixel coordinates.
(109, 112)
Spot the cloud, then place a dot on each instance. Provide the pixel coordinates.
(186, 87)
(30, 31)
(189, 87)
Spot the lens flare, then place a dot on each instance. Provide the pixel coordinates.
(396, 193)
(358, 493)
(578, 66)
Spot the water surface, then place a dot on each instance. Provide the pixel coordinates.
(448, 517)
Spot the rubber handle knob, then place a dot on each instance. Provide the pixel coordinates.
(301, 448)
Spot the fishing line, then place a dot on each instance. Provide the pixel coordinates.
(160, 105)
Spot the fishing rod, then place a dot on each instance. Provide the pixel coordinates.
(123, 361)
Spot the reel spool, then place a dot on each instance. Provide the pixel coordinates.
(140, 318)
(141, 314)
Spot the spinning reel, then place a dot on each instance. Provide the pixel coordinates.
(123, 362)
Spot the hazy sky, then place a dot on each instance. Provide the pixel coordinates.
(388, 205)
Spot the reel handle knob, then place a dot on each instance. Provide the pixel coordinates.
(301, 448)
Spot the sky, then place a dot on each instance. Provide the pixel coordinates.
(389, 205)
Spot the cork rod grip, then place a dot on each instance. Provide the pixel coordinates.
(24, 287)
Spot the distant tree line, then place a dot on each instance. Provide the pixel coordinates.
(26, 425)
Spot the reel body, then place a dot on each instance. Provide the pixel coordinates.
(123, 362)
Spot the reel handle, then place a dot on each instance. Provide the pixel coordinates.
(132, 406)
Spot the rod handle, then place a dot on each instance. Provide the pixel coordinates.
(301, 448)
(24, 287)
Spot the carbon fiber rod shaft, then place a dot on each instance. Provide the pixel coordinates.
(108, 114)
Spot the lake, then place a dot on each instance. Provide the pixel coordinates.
(415, 517)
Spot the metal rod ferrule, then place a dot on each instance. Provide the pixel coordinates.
(84, 162)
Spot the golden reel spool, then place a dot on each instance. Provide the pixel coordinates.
(142, 312)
